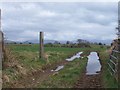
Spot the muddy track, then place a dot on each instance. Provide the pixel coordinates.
(35, 78)
(89, 81)
(32, 80)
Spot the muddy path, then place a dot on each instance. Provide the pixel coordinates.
(89, 81)
(30, 81)
(34, 79)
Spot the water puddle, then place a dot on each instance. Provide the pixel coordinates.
(75, 56)
(58, 68)
(69, 59)
(93, 64)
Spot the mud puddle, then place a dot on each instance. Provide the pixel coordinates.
(74, 56)
(93, 64)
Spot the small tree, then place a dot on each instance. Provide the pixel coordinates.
(100, 43)
(56, 42)
(30, 43)
(20, 42)
(79, 41)
(68, 42)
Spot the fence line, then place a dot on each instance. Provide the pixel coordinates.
(113, 62)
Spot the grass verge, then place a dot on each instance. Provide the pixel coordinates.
(67, 77)
(108, 80)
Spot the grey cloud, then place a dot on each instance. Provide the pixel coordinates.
(61, 21)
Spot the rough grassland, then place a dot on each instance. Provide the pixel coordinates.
(27, 57)
(67, 77)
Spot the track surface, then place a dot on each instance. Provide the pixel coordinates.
(89, 81)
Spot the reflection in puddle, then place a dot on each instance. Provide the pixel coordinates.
(58, 68)
(69, 59)
(93, 64)
(74, 57)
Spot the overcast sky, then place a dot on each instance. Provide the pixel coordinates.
(60, 21)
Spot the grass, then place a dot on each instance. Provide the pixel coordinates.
(72, 71)
(28, 57)
(108, 80)
(67, 77)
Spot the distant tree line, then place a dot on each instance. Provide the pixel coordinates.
(18, 43)
(79, 43)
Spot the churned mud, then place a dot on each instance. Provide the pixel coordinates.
(91, 78)
(89, 81)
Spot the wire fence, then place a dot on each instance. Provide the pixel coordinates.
(113, 63)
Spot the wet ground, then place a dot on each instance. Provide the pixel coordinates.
(35, 78)
(93, 64)
(31, 80)
(91, 77)
(58, 68)
(77, 55)
(89, 81)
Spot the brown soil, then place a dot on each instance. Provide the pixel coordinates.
(89, 81)
(35, 78)
(32, 80)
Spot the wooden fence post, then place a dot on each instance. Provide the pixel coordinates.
(1, 42)
(41, 51)
(2, 51)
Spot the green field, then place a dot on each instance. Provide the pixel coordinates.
(27, 56)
